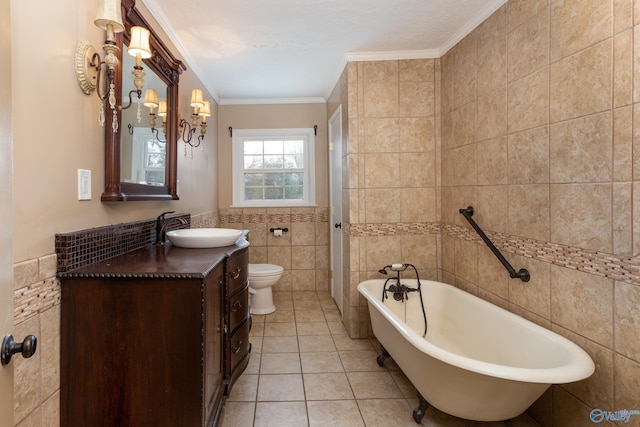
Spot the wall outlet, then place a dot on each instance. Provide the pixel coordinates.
(84, 184)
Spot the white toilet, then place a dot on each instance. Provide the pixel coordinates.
(261, 278)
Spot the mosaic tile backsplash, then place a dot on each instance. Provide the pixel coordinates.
(80, 248)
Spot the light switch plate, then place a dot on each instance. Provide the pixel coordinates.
(84, 184)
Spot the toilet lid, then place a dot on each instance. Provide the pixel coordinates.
(264, 269)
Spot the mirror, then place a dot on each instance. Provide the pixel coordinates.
(138, 167)
(142, 143)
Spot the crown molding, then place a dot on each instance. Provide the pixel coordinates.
(269, 101)
(471, 25)
(163, 21)
(392, 55)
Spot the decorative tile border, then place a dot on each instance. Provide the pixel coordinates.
(39, 297)
(398, 229)
(259, 218)
(614, 267)
(80, 248)
(209, 219)
(84, 247)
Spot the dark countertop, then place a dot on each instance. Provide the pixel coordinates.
(165, 261)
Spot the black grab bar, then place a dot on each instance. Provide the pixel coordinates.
(523, 274)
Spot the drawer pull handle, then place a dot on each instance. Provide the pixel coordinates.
(236, 273)
(237, 349)
(236, 306)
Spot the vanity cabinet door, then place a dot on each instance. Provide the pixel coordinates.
(213, 336)
(236, 317)
(131, 352)
(152, 347)
(238, 350)
(238, 306)
(240, 324)
(237, 271)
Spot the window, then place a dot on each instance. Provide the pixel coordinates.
(273, 167)
(148, 158)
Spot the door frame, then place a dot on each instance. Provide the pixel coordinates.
(335, 206)
(6, 208)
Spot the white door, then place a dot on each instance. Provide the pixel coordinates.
(6, 206)
(335, 209)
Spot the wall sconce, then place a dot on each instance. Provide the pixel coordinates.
(89, 64)
(151, 101)
(162, 112)
(201, 110)
(139, 47)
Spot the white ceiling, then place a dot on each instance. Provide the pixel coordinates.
(250, 51)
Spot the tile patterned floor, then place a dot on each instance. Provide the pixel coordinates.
(306, 371)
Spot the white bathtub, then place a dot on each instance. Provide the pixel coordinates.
(477, 361)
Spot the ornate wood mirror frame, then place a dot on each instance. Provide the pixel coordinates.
(165, 65)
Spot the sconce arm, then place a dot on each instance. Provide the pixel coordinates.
(96, 63)
(201, 110)
(187, 131)
(139, 95)
(157, 135)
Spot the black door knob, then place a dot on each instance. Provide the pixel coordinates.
(9, 347)
(338, 225)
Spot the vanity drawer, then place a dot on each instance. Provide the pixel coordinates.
(238, 346)
(237, 271)
(238, 309)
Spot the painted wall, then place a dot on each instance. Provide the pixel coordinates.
(303, 251)
(272, 116)
(55, 132)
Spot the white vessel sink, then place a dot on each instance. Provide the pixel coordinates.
(203, 237)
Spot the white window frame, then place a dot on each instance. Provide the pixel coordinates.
(309, 188)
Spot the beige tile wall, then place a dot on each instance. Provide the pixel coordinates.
(37, 312)
(539, 135)
(392, 158)
(303, 251)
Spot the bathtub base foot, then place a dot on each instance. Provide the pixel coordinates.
(382, 357)
(423, 405)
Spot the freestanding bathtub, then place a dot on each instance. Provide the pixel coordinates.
(477, 361)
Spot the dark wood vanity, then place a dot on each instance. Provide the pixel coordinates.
(155, 337)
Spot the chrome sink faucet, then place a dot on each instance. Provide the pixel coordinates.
(161, 226)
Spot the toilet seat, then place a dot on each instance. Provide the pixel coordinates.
(262, 270)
